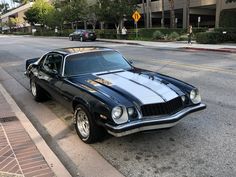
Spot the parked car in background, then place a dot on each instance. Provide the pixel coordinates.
(83, 35)
(106, 92)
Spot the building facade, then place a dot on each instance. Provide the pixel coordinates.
(203, 13)
(18, 14)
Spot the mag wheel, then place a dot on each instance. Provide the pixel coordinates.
(86, 128)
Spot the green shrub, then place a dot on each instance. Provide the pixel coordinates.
(230, 34)
(158, 35)
(209, 38)
(227, 18)
(173, 36)
(21, 33)
(183, 37)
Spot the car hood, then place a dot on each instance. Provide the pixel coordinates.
(130, 86)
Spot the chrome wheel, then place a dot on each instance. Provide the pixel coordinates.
(83, 123)
(33, 88)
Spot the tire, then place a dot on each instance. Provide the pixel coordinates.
(86, 128)
(81, 39)
(71, 38)
(37, 91)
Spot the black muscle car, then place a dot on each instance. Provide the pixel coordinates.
(106, 92)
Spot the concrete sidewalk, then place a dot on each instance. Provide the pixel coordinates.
(23, 152)
(231, 48)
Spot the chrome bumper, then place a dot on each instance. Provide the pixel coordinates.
(151, 123)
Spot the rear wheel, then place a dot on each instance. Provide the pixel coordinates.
(36, 91)
(86, 128)
(81, 39)
(71, 38)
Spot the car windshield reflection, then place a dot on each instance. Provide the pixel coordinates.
(95, 62)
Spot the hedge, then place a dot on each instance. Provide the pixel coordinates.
(64, 33)
(227, 18)
(230, 34)
(209, 37)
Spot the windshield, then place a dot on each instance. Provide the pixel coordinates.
(94, 62)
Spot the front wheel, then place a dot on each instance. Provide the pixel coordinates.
(86, 128)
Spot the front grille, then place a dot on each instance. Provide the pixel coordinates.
(169, 107)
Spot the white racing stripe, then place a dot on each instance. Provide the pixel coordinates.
(146, 90)
(159, 88)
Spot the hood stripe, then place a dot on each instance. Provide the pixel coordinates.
(146, 96)
(154, 84)
(143, 86)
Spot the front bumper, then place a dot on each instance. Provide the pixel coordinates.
(151, 123)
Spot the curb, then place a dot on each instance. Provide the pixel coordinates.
(120, 42)
(225, 50)
(53, 162)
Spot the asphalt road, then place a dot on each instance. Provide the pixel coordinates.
(202, 145)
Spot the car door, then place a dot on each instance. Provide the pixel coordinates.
(50, 74)
(77, 34)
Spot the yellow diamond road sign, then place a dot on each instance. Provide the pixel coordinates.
(136, 16)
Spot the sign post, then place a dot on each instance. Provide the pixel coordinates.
(198, 21)
(136, 16)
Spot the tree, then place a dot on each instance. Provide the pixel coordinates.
(73, 10)
(92, 15)
(38, 12)
(4, 7)
(172, 13)
(115, 11)
(32, 16)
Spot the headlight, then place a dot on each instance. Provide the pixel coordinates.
(195, 96)
(117, 112)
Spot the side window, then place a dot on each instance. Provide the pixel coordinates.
(48, 64)
(53, 63)
(42, 60)
(58, 62)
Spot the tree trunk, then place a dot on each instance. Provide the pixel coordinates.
(172, 14)
(163, 14)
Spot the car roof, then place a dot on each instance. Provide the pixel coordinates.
(74, 50)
